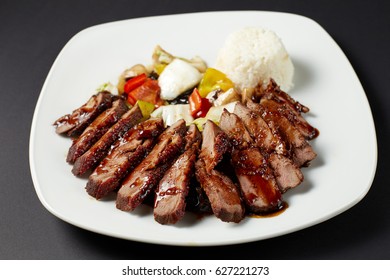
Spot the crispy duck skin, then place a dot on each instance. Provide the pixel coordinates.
(286, 173)
(222, 193)
(215, 145)
(146, 176)
(257, 182)
(74, 124)
(99, 150)
(170, 199)
(299, 148)
(96, 130)
(124, 156)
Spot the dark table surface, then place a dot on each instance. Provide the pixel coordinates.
(32, 33)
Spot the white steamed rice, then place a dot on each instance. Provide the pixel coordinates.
(254, 55)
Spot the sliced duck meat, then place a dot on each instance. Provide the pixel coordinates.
(197, 200)
(124, 156)
(193, 137)
(286, 173)
(273, 91)
(74, 124)
(99, 150)
(301, 151)
(146, 176)
(307, 130)
(257, 182)
(291, 109)
(236, 131)
(266, 139)
(222, 193)
(215, 144)
(170, 200)
(96, 130)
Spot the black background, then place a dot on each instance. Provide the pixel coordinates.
(32, 33)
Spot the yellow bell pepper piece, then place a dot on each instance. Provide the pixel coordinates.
(214, 79)
(159, 68)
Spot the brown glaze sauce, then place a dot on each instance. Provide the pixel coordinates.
(283, 207)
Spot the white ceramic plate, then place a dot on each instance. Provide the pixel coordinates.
(324, 80)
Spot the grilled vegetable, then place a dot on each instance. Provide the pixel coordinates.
(198, 106)
(149, 91)
(213, 80)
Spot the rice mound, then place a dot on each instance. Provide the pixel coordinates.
(254, 55)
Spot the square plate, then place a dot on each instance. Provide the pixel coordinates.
(324, 81)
